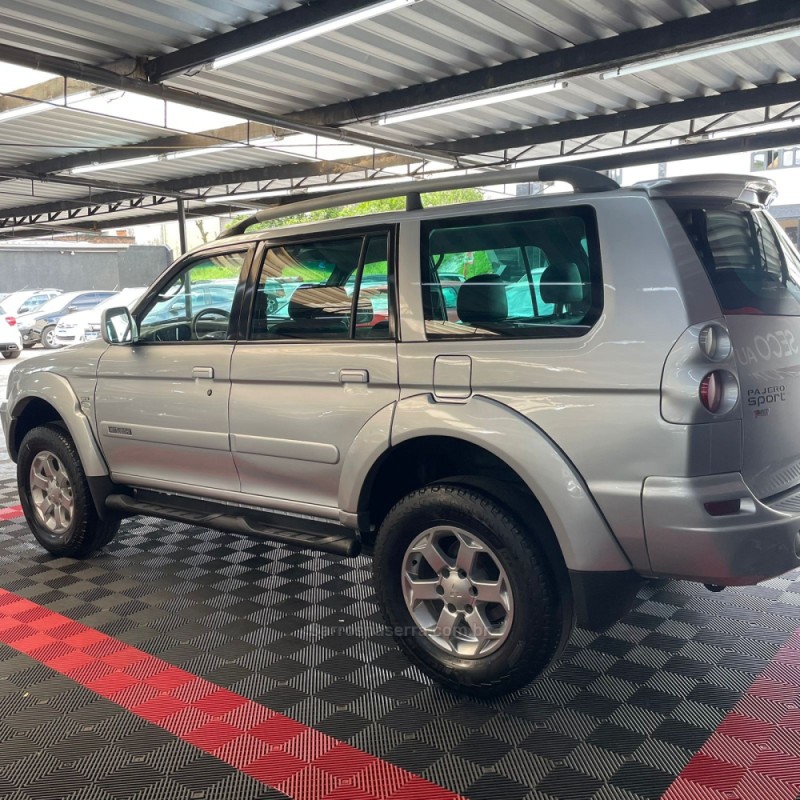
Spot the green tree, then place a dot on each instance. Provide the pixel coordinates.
(370, 207)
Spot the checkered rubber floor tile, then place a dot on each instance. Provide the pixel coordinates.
(617, 718)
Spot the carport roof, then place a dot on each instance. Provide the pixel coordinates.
(326, 97)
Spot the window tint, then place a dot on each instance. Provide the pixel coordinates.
(522, 275)
(196, 304)
(753, 267)
(309, 290)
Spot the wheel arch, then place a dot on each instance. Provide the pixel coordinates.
(50, 398)
(436, 441)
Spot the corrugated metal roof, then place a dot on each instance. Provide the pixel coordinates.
(415, 45)
(97, 31)
(62, 131)
(17, 193)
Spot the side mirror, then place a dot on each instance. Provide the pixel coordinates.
(23, 309)
(117, 326)
(72, 309)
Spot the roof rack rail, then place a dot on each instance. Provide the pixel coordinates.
(580, 178)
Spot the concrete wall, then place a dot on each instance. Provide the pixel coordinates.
(75, 268)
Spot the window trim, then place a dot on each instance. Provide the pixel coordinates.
(588, 214)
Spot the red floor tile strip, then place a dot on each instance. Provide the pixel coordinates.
(10, 512)
(755, 753)
(298, 761)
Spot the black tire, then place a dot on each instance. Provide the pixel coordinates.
(538, 620)
(11, 354)
(86, 532)
(49, 337)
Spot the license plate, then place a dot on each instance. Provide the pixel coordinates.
(90, 336)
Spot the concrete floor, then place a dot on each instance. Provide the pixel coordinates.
(8, 469)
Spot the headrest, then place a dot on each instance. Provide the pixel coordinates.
(320, 302)
(482, 298)
(562, 283)
(261, 305)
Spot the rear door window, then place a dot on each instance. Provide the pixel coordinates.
(324, 289)
(753, 267)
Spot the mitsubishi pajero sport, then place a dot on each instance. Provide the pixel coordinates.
(610, 393)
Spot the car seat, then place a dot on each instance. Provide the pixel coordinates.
(317, 312)
(482, 299)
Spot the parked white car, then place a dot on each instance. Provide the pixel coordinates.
(26, 301)
(10, 337)
(82, 326)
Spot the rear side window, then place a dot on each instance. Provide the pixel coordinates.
(753, 267)
(531, 274)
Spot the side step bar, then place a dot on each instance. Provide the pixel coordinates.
(311, 534)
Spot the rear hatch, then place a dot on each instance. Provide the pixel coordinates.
(755, 271)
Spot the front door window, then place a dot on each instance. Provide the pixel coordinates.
(196, 304)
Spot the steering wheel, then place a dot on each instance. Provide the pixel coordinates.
(213, 334)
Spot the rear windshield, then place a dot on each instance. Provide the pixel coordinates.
(753, 266)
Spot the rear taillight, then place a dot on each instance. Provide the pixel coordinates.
(11, 320)
(715, 343)
(711, 392)
(699, 381)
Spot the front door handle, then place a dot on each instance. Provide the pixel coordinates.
(353, 376)
(202, 372)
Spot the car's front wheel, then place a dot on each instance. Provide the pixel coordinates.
(55, 495)
(11, 354)
(466, 591)
(49, 337)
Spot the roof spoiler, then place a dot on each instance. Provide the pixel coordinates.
(580, 178)
(749, 189)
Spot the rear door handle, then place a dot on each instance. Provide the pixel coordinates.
(353, 376)
(202, 372)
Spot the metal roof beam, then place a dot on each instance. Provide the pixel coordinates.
(15, 219)
(240, 132)
(24, 230)
(714, 147)
(50, 91)
(629, 119)
(773, 94)
(174, 188)
(104, 77)
(195, 56)
(748, 19)
(15, 173)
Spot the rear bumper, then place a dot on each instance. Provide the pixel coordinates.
(685, 541)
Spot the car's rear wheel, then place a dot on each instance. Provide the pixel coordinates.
(466, 591)
(49, 337)
(11, 354)
(55, 495)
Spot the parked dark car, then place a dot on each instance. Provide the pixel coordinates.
(40, 325)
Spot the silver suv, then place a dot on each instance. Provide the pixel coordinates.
(609, 392)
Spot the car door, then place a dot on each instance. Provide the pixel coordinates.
(161, 402)
(311, 373)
